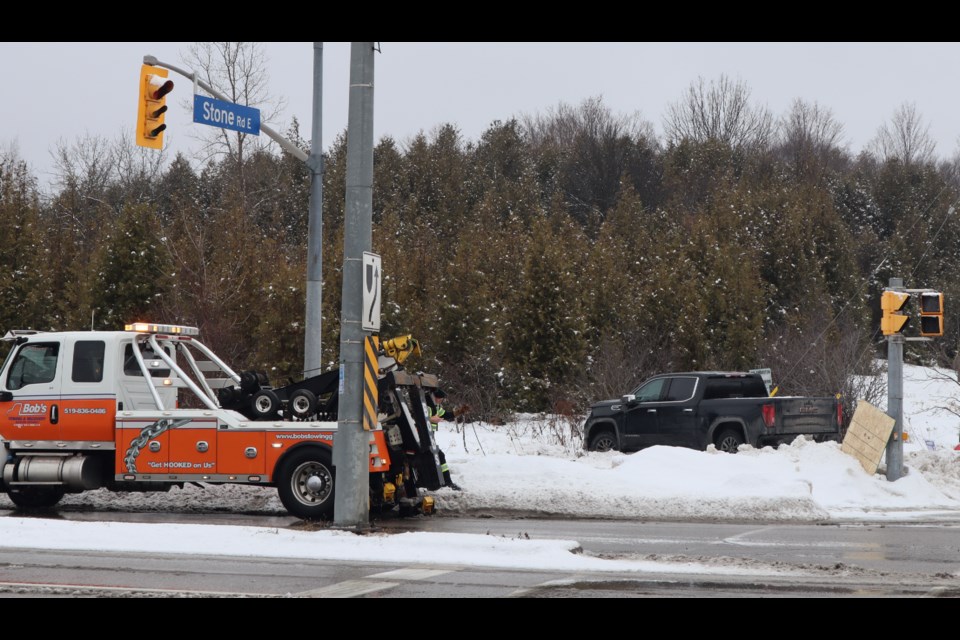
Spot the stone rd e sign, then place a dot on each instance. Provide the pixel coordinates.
(226, 115)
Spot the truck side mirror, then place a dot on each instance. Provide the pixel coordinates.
(5, 396)
(629, 400)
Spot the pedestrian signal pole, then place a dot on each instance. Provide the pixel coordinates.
(895, 381)
(892, 324)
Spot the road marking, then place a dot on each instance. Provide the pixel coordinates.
(45, 588)
(560, 582)
(372, 583)
(348, 589)
(411, 573)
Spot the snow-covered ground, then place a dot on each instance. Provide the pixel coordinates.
(536, 465)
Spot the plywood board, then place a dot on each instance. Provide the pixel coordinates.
(867, 436)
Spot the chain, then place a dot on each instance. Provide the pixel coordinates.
(148, 433)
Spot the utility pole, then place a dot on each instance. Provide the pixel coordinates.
(312, 342)
(351, 442)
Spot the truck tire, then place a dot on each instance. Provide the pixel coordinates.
(603, 440)
(729, 440)
(35, 497)
(303, 404)
(305, 483)
(265, 404)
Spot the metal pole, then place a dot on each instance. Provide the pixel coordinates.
(351, 448)
(312, 342)
(895, 397)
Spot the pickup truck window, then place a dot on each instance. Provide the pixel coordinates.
(651, 391)
(35, 363)
(88, 361)
(734, 388)
(681, 389)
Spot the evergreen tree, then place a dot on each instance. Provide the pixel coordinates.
(131, 272)
(544, 338)
(24, 264)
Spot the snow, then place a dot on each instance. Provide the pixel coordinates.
(536, 465)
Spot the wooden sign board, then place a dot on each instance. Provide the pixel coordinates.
(867, 436)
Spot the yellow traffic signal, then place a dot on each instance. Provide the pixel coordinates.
(152, 104)
(931, 314)
(890, 303)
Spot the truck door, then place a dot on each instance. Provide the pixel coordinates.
(31, 411)
(677, 421)
(640, 427)
(88, 400)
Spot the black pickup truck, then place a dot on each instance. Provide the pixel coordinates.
(702, 408)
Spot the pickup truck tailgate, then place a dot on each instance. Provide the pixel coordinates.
(807, 415)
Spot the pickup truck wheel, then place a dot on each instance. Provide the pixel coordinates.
(729, 441)
(35, 497)
(303, 404)
(603, 441)
(305, 484)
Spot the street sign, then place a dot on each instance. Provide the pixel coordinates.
(372, 277)
(226, 115)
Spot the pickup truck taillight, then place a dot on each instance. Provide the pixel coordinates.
(769, 415)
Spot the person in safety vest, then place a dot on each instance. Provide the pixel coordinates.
(437, 413)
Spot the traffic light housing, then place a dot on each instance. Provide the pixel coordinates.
(891, 302)
(931, 314)
(152, 106)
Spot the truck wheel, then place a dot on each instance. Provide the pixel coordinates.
(303, 404)
(35, 497)
(603, 441)
(305, 484)
(265, 404)
(729, 441)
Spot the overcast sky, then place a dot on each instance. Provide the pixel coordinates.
(60, 91)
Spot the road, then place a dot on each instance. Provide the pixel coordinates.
(692, 560)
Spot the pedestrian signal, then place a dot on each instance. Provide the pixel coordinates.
(931, 314)
(891, 302)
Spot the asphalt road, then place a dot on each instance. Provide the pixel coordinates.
(769, 560)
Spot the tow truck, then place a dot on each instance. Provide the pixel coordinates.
(152, 407)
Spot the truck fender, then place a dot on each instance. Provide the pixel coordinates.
(728, 422)
(605, 424)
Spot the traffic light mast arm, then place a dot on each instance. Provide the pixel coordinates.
(287, 145)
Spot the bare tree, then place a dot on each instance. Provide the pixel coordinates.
(85, 165)
(561, 126)
(110, 172)
(238, 70)
(137, 169)
(810, 134)
(719, 111)
(905, 138)
(596, 152)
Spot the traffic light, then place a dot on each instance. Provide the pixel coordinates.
(891, 302)
(931, 314)
(154, 88)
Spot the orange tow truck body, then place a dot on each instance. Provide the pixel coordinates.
(82, 410)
